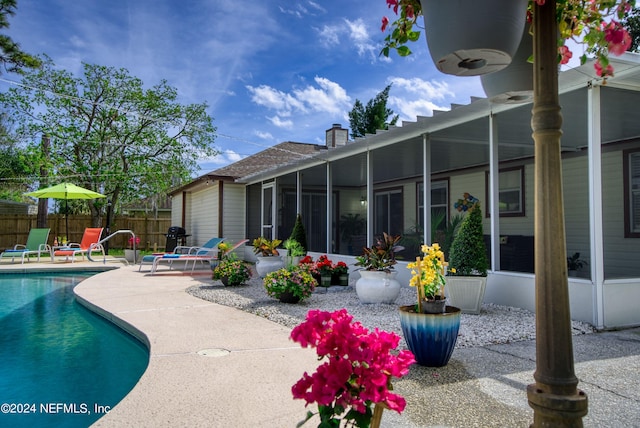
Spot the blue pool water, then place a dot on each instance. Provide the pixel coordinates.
(61, 365)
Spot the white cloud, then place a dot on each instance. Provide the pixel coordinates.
(263, 135)
(329, 97)
(425, 88)
(277, 121)
(417, 97)
(275, 100)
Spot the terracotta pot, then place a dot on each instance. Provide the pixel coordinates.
(484, 40)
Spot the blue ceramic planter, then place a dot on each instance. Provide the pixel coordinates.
(431, 337)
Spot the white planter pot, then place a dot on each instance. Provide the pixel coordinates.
(265, 265)
(466, 292)
(377, 287)
(485, 43)
(128, 255)
(513, 84)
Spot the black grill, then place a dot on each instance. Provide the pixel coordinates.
(175, 235)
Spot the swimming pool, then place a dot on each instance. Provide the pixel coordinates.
(60, 364)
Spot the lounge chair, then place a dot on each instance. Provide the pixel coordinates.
(184, 254)
(36, 244)
(89, 244)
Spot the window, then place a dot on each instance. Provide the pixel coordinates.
(510, 192)
(439, 203)
(632, 193)
(388, 214)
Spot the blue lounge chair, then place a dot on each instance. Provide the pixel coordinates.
(185, 254)
(36, 244)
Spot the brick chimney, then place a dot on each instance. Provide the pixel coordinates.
(336, 136)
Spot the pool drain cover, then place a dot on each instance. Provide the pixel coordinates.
(214, 352)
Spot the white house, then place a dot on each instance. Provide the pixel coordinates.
(381, 178)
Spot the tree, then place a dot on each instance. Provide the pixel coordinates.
(110, 134)
(367, 120)
(16, 165)
(12, 58)
(632, 24)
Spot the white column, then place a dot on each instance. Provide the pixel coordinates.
(596, 236)
(494, 193)
(370, 201)
(426, 188)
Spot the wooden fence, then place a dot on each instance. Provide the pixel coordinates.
(14, 229)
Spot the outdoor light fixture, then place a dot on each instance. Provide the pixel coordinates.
(363, 201)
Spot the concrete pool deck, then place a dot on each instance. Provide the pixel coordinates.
(249, 364)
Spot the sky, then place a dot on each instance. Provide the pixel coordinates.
(270, 71)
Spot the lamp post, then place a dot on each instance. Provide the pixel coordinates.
(554, 397)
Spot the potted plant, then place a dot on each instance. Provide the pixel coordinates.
(231, 271)
(132, 253)
(340, 273)
(295, 252)
(223, 250)
(266, 251)
(290, 285)
(377, 283)
(299, 234)
(351, 226)
(575, 263)
(466, 283)
(324, 268)
(431, 334)
(355, 377)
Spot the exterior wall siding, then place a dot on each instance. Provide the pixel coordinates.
(203, 215)
(234, 219)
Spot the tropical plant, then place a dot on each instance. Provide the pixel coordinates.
(295, 280)
(468, 252)
(381, 256)
(428, 273)
(351, 225)
(235, 271)
(266, 247)
(580, 21)
(299, 234)
(574, 262)
(294, 248)
(357, 371)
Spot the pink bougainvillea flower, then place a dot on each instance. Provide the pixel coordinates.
(618, 38)
(358, 366)
(385, 22)
(395, 5)
(603, 72)
(565, 54)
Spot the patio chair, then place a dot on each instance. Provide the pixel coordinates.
(89, 244)
(184, 254)
(36, 244)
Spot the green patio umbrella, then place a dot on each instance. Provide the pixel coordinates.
(65, 191)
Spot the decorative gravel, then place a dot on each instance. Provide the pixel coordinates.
(494, 325)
